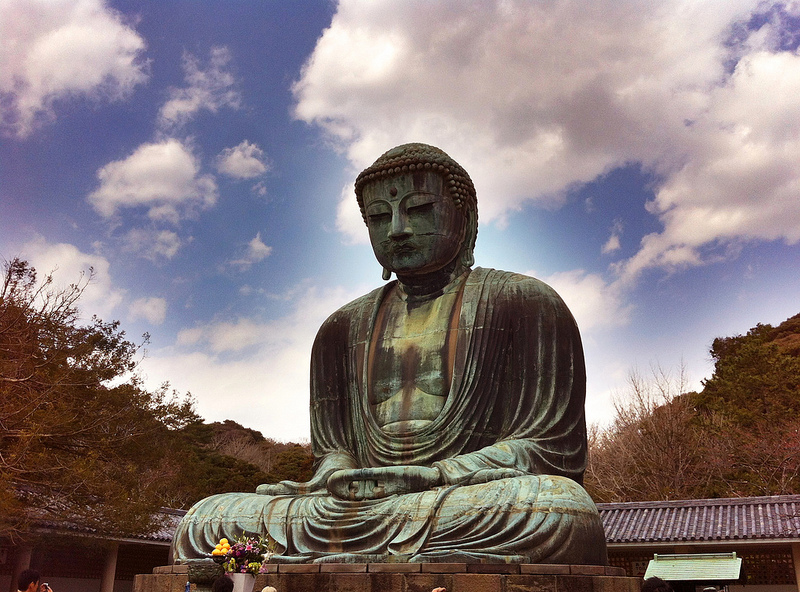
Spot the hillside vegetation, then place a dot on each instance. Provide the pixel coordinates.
(82, 441)
(209, 458)
(739, 436)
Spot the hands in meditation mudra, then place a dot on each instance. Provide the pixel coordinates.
(447, 419)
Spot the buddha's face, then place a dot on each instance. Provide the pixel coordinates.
(413, 224)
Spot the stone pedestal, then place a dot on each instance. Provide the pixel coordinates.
(412, 577)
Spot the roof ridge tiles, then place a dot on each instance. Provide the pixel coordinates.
(693, 503)
(764, 517)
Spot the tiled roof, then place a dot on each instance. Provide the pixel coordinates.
(747, 518)
(170, 523)
(168, 518)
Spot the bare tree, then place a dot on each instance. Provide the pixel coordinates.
(654, 447)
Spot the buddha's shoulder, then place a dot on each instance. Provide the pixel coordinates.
(355, 308)
(511, 285)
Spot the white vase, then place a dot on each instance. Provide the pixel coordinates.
(243, 582)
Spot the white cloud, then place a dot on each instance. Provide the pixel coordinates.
(593, 302)
(252, 371)
(244, 161)
(163, 177)
(225, 336)
(54, 50)
(69, 266)
(537, 98)
(207, 89)
(741, 180)
(613, 243)
(256, 251)
(259, 189)
(349, 220)
(153, 310)
(152, 243)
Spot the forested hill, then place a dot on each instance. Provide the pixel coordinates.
(740, 435)
(84, 442)
(786, 335)
(209, 458)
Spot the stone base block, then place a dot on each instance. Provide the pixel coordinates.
(381, 578)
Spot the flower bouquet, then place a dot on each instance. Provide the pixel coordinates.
(246, 555)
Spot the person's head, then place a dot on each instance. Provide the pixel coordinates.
(222, 584)
(28, 581)
(655, 585)
(421, 209)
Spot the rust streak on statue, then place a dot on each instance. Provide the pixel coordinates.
(447, 416)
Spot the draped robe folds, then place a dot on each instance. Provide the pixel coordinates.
(515, 402)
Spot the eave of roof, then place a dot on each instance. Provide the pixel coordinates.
(725, 519)
(162, 535)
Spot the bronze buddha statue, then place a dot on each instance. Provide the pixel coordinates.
(447, 418)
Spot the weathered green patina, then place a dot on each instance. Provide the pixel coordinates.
(447, 415)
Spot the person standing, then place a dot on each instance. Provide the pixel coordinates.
(30, 581)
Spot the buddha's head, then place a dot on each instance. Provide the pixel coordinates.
(421, 210)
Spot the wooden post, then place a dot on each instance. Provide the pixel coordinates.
(796, 562)
(22, 563)
(110, 569)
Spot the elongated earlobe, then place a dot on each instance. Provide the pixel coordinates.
(468, 248)
(386, 275)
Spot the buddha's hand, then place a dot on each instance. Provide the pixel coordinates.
(317, 483)
(486, 475)
(378, 482)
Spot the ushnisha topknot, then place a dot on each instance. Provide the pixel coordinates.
(414, 157)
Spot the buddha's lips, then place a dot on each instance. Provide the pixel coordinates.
(402, 248)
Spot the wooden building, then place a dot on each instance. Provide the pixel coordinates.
(72, 559)
(763, 531)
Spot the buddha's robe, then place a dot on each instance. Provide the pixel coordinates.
(515, 402)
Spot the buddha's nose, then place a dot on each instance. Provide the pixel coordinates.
(400, 227)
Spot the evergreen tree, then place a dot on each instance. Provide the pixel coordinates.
(81, 440)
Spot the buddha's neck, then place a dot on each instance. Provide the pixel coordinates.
(431, 284)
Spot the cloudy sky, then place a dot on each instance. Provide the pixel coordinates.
(641, 157)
